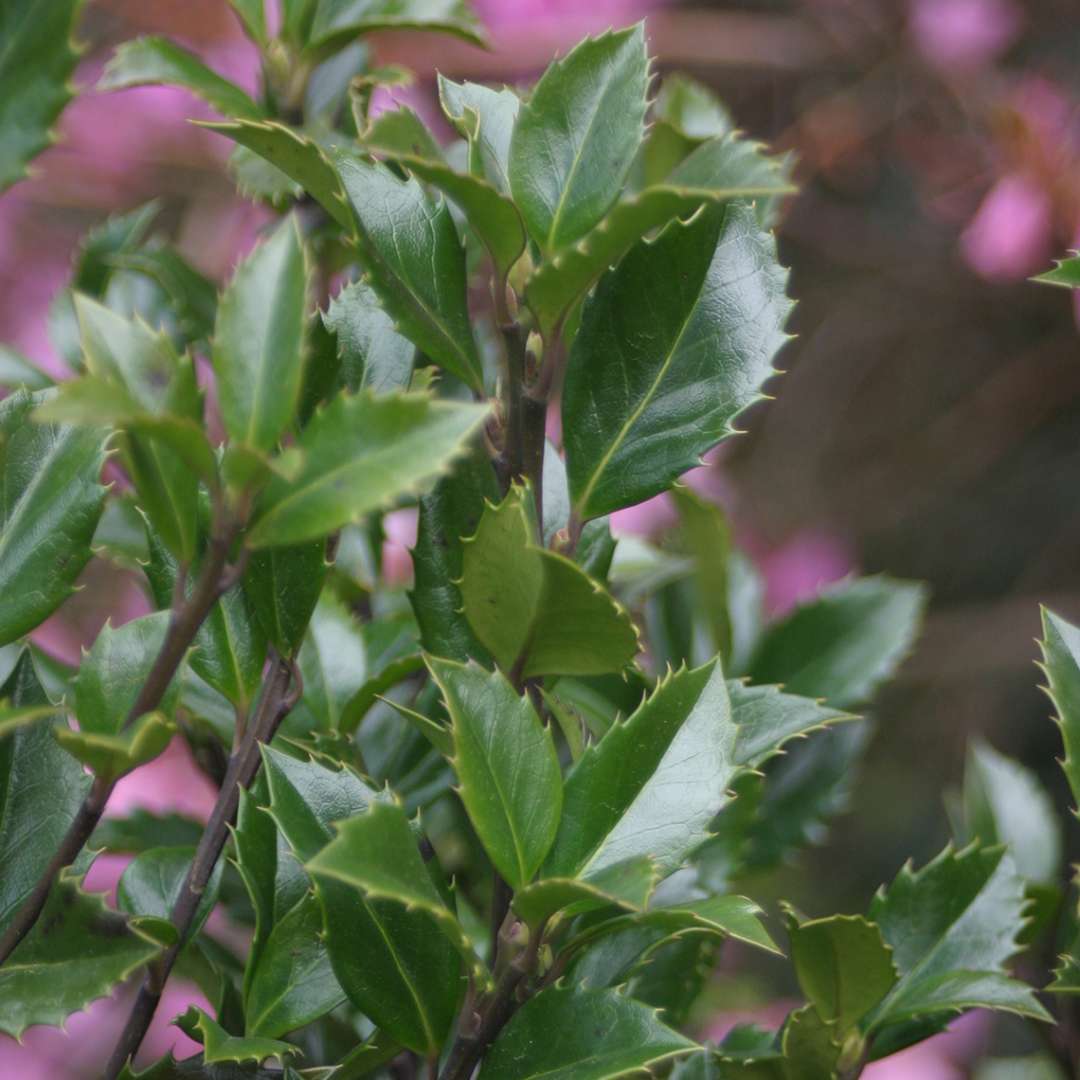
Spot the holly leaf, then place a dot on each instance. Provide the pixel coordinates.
(843, 965)
(382, 954)
(333, 665)
(653, 783)
(149, 61)
(449, 513)
(151, 884)
(282, 585)
(296, 155)
(952, 926)
(844, 644)
(253, 17)
(292, 983)
(486, 118)
(37, 63)
(1060, 647)
(19, 372)
(1065, 273)
(259, 340)
(415, 262)
(535, 611)
(43, 791)
(576, 136)
(358, 454)
(601, 1034)
(673, 345)
(219, 1046)
(78, 951)
(372, 352)
(338, 21)
(718, 172)
(507, 768)
(49, 509)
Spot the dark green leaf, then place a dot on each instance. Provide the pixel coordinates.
(674, 344)
(152, 882)
(333, 663)
(259, 340)
(537, 612)
(50, 503)
(507, 768)
(372, 352)
(627, 885)
(675, 976)
(486, 118)
(600, 1035)
(415, 262)
(576, 137)
(142, 829)
(812, 1049)
(150, 60)
(252, 15)
(220, 1046)
(1061, 663)
(282, 585)
(1066, 273)
(338, 21)
(36, 65)
(360, 453)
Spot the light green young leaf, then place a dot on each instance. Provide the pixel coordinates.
(691, 108)
(415, 262)
(148, 61)
(258, 349)
(282, 585)
(601, 1035)
(653, 783)
(253, 16)
(535, 611)
(36, 65)
(296, 155)
(219, 1046)
(843, 965)
(486, 118)
(844, 644)
(576, 137)
(293, 982)
(507, 768)
(952, 926)
(1060, 647)
(77, 952)
(360, 453)
(152, 882)
(718, 172)
(811, 1045)
(372, 352)
(1066, 273)
(382, 954)
(50, 503)
(401, 131)
(674, 344)
(44, 788)
(339, 21)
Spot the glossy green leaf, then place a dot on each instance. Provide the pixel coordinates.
(1005, 803)
(843, 645)
(297, 156)
(691, 108)
(36, 65)
(843, 965)
(152, 882)
(360, 453)
(401, 131)
(812, 1047)
(415, 262)
(293, 983)
(282, 585)
(952, 926)
(333, 664)
(1060, 647)
(147, 61)
(219, 1046)
(720, 171)
(507, 768)
(338, 21)
(1066, 273)
(627, 885)
(50, 503)
(376, 852)
(576, 136)
(259, 340)
(535, 611)
(654, 782)
(486, 118)
(451, 512)
(674, 344)
(601, 1035)
(382, 954)
(675, 976)
(77, 952)
(372, 352)
(230, 646)
(41, 790)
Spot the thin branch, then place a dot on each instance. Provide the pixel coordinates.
(274, 705)
(183, 626)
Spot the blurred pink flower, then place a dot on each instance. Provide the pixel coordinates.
(573, 16)
(1011, 235)
(400, 529)
(798, 569)
(963, 34)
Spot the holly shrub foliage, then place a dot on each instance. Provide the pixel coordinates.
(495, 825)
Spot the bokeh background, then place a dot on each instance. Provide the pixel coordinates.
(929, 423)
